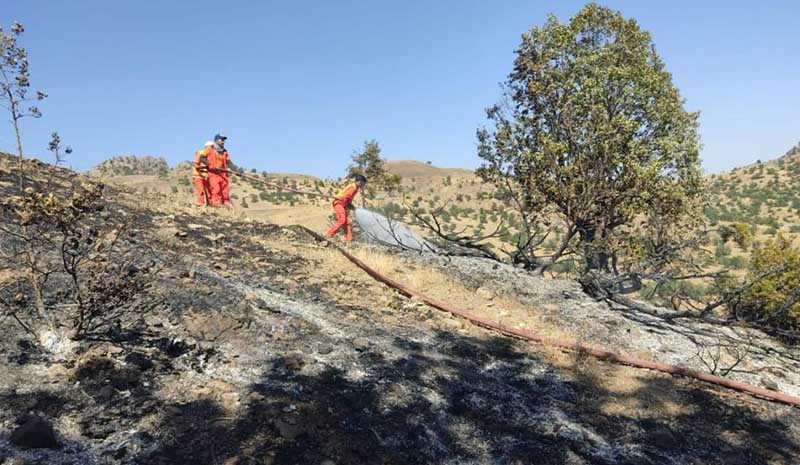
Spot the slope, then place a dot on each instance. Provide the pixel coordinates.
(267, 347)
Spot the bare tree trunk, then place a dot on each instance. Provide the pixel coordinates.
(596, 260)
(15, 116)
(19, 150)
(558, 253)
(33, 275)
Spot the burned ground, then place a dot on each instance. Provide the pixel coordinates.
(262, 346)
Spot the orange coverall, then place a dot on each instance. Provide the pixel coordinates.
(200, 179)
(218, 178)
(340, 204)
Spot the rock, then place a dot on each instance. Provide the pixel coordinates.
(663, 438)
(139, 360)
(192, 274)
(34, 433)
(769, 384)
(123, 379)
(215, 237)
(207, 346)
(57, 371)
(91, 367)
(220, 386)
(451, 324)
(114, 350)
(154, 321)
(395, 389)
(255, 397)
(324, 348)
(288, 430)
(485, 293)
(201, 393)
(244, 306)
(294, 361)
(105, 393)
(361, 344)
(230, 399)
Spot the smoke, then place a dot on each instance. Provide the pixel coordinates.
(378, 228)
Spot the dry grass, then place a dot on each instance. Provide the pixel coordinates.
(620, 390)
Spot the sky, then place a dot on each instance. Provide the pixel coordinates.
(298, 86)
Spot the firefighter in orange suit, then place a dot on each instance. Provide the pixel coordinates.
(200, 176)
(218, 172)
(342, 203)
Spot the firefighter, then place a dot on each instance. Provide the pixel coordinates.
(343, 202)
(218, 172)
(200, 176)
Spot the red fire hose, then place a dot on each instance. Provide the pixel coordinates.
(594, 352)
(531, 336)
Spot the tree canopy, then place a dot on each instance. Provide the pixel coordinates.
(591, 127)
(368, 162)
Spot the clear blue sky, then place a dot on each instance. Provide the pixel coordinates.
(297, 86)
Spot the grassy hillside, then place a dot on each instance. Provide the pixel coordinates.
(248, 343)
(765, 196)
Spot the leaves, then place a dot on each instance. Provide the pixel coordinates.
(369, 163)
(15, 75)
(775, 294)
(592, 126)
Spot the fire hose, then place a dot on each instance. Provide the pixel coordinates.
(571, 346)
(597, 353)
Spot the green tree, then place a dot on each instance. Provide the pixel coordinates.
(368, 162)
(775, 294)
(593, 128)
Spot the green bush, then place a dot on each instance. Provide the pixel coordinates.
(773, 297)
(735, 262)
(722, 250)
(740, 233)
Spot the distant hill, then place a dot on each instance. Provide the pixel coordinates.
(126, 165)
(413, 168)
(765, 195)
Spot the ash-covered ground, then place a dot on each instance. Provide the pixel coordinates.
(262, 347)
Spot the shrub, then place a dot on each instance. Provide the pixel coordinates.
(740, 233)
(775, 296)
(722, 250)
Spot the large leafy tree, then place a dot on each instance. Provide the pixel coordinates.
(368, 162)
(591, 127)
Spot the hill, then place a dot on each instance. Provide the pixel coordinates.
(418, 169)
(765, 195)
(131, 165)
(253, 343)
